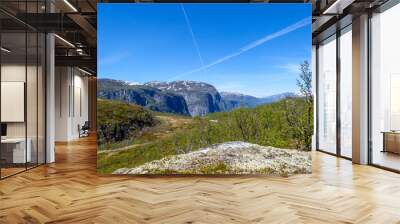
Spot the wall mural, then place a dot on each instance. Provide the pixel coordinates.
(204, 89)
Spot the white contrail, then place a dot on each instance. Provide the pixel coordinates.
(192, 35)
(254, 44)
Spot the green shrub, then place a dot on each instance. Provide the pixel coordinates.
(118, 121)
(280, 124)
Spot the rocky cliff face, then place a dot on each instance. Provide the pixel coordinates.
(180, 97)
(146, 96)
(236, 100)
(201, 98)
(276, 97)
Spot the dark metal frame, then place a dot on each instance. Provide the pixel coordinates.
(0, 91)
(316, 96)
(369, 90)
(338, 76)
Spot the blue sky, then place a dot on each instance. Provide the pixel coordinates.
(253, 49)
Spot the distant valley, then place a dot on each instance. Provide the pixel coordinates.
(188, 98)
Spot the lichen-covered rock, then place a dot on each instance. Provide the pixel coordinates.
(229, 158)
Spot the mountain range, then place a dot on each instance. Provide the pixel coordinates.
(180, 97)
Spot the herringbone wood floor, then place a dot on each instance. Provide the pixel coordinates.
(70, 191)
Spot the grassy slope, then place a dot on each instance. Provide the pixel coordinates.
(263, 125)
(154, 143)
(120, 122)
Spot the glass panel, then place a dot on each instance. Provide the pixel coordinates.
(346, 92)
(385, 84)
(23, 90)
(13, 86)
(327, 95)
(32, 88)
(41, 98)
(31, 98)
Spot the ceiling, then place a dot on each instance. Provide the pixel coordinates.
(73, 21)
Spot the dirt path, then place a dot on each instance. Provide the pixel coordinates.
(112, 151)
(169, 125)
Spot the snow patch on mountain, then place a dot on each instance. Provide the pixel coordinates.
(130, 83)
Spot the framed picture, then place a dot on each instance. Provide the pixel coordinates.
(204, 89)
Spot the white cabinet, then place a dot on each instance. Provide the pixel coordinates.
(19, 155)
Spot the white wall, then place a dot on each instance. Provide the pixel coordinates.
(17, 73)
(62, 82)
(33, 126)
(50, 95)
(71, 102)
(80, 110)
(14, 72)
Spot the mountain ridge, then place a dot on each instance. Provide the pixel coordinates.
(183, 97)
(146, 96)
(201, 98)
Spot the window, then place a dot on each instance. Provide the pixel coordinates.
(327, 95)
(346, 92)
(385, 88)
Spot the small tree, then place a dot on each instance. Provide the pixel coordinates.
(304, 82)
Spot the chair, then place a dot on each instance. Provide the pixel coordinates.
(84, 130)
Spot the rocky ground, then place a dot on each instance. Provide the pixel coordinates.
(229, 158)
